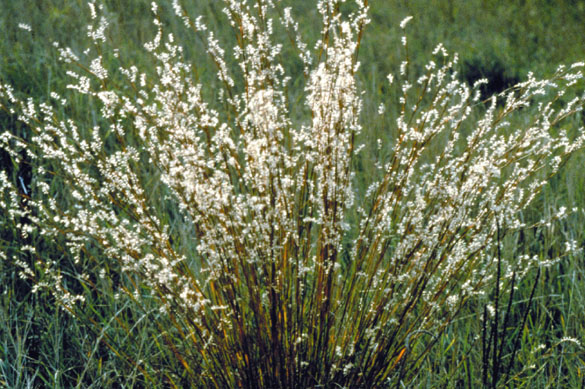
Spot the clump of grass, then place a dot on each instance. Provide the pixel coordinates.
(496, 366)
(236, 215)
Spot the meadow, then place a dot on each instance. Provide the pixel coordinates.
(262, 217)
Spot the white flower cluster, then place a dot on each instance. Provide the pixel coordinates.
(266, 198)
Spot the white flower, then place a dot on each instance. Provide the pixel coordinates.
(24, 27)
(405, 21)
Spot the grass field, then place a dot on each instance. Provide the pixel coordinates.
(528, 332)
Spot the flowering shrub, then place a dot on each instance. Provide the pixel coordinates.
(268, 292)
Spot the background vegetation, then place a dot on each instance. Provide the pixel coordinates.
(40, 346)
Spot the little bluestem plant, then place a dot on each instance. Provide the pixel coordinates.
(268, 292)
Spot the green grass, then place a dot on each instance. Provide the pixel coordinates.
(40, 346)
